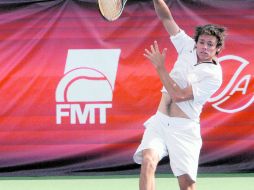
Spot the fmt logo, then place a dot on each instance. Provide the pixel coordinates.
(234, 86)
(86, 90)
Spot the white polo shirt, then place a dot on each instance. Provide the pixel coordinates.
(205, 78)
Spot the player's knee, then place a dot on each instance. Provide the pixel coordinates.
(186, 183)
(149, 163)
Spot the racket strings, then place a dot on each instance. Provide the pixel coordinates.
(111, 9)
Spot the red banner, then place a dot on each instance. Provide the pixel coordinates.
(76, 89)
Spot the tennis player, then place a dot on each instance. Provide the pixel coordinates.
(174, 130)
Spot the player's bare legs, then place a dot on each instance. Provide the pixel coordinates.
(150, 161)
(186, 183)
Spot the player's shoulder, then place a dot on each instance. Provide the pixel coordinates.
(181, 35)
(183, 41)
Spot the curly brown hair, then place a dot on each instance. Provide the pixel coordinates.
(214, 30)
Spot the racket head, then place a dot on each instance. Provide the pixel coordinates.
(111, 10)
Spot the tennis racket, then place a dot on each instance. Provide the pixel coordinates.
(111, 9)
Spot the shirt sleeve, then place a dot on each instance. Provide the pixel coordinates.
(205, 88)
(182, 41)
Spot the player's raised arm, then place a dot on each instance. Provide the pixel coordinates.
(164, 14)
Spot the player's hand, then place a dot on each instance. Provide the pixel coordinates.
(156, 57)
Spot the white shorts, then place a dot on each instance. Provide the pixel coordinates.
(174, 136)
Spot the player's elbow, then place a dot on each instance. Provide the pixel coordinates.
(183, 95)
(181, 98)
(178, 99)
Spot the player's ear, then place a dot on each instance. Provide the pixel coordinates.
(218, 51)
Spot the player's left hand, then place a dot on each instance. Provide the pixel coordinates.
(156, 57)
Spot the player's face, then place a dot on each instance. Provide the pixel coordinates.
(206, 47)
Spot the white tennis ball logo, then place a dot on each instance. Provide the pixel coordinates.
(84, 85)
(85, 92)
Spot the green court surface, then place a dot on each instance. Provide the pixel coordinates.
(125, 182)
